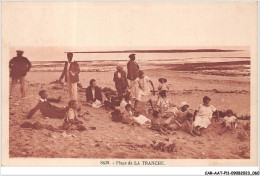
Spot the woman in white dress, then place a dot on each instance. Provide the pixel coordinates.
(143, 91)
(203, 115)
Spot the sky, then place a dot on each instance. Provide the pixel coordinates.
(47, 29)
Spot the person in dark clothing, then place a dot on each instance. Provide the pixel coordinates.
(71, 73)
(132, 68)
(93, 92)
(19, 66)
(120, 81)
(46, 108)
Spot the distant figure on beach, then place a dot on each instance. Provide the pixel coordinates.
(71, 72)
(132, 69)
(203, 115)
(19, 66)
(120, 80)
(46, 108)
(93, 93)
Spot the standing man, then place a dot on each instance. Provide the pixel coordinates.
(120, 81)
(71, 72)
(19, 66)
(132, 69)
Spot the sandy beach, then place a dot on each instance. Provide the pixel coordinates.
(116, 140)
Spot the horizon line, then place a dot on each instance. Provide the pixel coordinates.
(157, 51)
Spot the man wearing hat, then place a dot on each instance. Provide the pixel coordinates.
(120, 81)
(132, 68)
(19, 66)
(71, 72)
(46, 108)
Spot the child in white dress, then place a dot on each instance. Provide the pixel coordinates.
(144, 91)
(163, 86)
(203, 115)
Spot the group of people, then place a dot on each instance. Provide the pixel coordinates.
(132, 87)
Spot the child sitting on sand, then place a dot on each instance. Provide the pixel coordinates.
(130, 116)
(157, 124)
(108, 102)
(163, 86)
(125, 101)
(71, 121)
(229, 121)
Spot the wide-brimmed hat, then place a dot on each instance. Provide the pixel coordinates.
(162, 79)
(184, 104)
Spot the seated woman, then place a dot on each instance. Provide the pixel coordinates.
(93, 94)
(165, 105)
(203, 115)
(131, 117)
(182, 119)
(46, 108)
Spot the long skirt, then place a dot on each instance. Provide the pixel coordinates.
(202, 121)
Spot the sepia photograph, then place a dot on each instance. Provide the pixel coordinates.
(129, 80)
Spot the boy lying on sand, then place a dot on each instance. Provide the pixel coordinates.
(46, 108)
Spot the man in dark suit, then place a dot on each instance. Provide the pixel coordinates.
(71, 72)
(46, 108)
(19, 66)
(120, 81)
(93, 92)
(132, 68)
